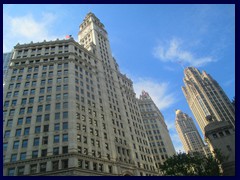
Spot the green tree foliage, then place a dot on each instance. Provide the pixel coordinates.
(183, 164)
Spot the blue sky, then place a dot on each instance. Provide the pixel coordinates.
(147, 41)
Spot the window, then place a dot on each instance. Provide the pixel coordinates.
(39, 118)
(34, 83)
(49, 89)
(24, 143)
(47, 107)
(45, 128)
(20, 171)
(56, 139)
(6, 103)
(65, 138)
(45, 140)
(56, 151)
(65, 125)
(57, 116)
(18, 132)
(50, 81)
(9, 123)
(13, 157)
(15, 144)
(25, 92)
(36, 142)
(8, 95)
(33, 168)
(22, 110)
(58, 88)
(65, 115)
(57, 105)
(14, 102)
(5, 145)
(43, 82)
(26, 131)
(57, 127)
(42, 90)
(28, 120)
(44, 153)
(64, 163)
(35, 154)
(11, 171)
(37, 129)
(43, 167)
(58, 96)
(65, 95)
(24, 101)
(46, 117)
(20, 121)
(11, 113)
(32, 91)
(40, 108)
(27, 84)
(23, 156)
(65, 149)
(65, 105)
(29, 110)
(55, 165)
(31, 100)
(65, 87)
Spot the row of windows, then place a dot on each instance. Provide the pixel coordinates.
(38, 168)
(37, 129)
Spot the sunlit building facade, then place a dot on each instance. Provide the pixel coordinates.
(156, 129)
(68, 110)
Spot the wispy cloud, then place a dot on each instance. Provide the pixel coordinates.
(177, 142)
(173, 51)
(26, 28)
(159, 92)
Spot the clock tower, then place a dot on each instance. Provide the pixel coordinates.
(93, 37)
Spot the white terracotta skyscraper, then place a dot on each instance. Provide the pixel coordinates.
(188, 133)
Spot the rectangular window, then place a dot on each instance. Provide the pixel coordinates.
(39, 118)
(26, 131)
(65, 115)
(56, 127)
(28, 120)
(45, 140)
(31, 100)
(64, 163)
(55, 165)
(56, 139)
(40, 99)
(56, 151)
(57, 116)
(15, 144)
(43, 167)
(29, 110)
(18, 132)
(65, 149)
(44, 153)
(13, 157)
(23, 156)
(65, 138)
(35, 154)
(36, 142)
(65, 125)
(37, 129)
(24, 143)
(46, 117)
(33, 168)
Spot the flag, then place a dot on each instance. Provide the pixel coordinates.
(68, 36)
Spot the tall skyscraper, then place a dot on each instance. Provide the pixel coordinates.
(206, 98)
(68, 110)
(189, 135)
(156, 129)
(6, 60)
(214, 113)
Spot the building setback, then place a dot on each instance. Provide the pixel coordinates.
(156, 129)
(189, 135)
(68, 110)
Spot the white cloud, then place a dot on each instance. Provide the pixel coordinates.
(177, 142)
(173, 52)
(26, 28)
(158, 92)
